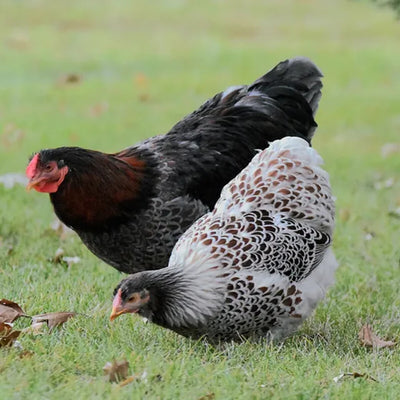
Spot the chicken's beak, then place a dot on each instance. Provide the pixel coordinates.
(117, 307)
(116, 312)
(32, 183)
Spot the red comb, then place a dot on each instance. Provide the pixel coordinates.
(117, 299)
(31, 168)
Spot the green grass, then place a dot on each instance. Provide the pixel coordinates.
(188, 51)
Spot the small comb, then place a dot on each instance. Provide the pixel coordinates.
(31, 168)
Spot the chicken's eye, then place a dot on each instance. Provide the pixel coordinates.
(48, 167)
(133, 297)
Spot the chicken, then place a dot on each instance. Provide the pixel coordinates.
(130, 208)
(257, 265)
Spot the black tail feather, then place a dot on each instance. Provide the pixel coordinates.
(299, 73)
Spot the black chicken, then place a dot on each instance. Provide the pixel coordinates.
(131, 207)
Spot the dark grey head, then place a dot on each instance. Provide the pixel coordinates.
(134, 294)
(170, 297)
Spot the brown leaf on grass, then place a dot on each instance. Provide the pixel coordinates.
(26, 354)
(116, 371)
(5, 328)
(98, 109)
(134, 378)
(10, 311)
(9, 339)
(208, 396)
(13, 305)
(141, 80)
(144, 97)
(59, 258)
(73, 138)
(18, 39)
(58, 255)
(7, 335)
(369, 339)
(53, 319)
(71, 260)
(344, 214)
(129, 380)
(353, 375)
(35, 329)
(69, 79)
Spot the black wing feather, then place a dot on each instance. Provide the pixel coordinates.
(219, 139)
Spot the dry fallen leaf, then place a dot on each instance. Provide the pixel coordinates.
(98, 109)
(134, 378)
(13, 305)
(71, 260)
(59, 258)
(68, 79)
(141, 80)
(10, 311)
(53, 319)
(5, 328)
(9, 339)
(36, 328)
(18, 39)
(7, 335)
(129, 380)
(73, 138)
(144, 97)
(116, 371)
(208, 396)
(370, 339)
(344, 214)
(58, 255)
(26, 354)
(354, 375)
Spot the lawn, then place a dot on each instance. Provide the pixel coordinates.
(105, 75)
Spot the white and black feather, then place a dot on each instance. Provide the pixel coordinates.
(258, 264)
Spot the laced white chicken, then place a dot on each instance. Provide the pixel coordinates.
(257, 265)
